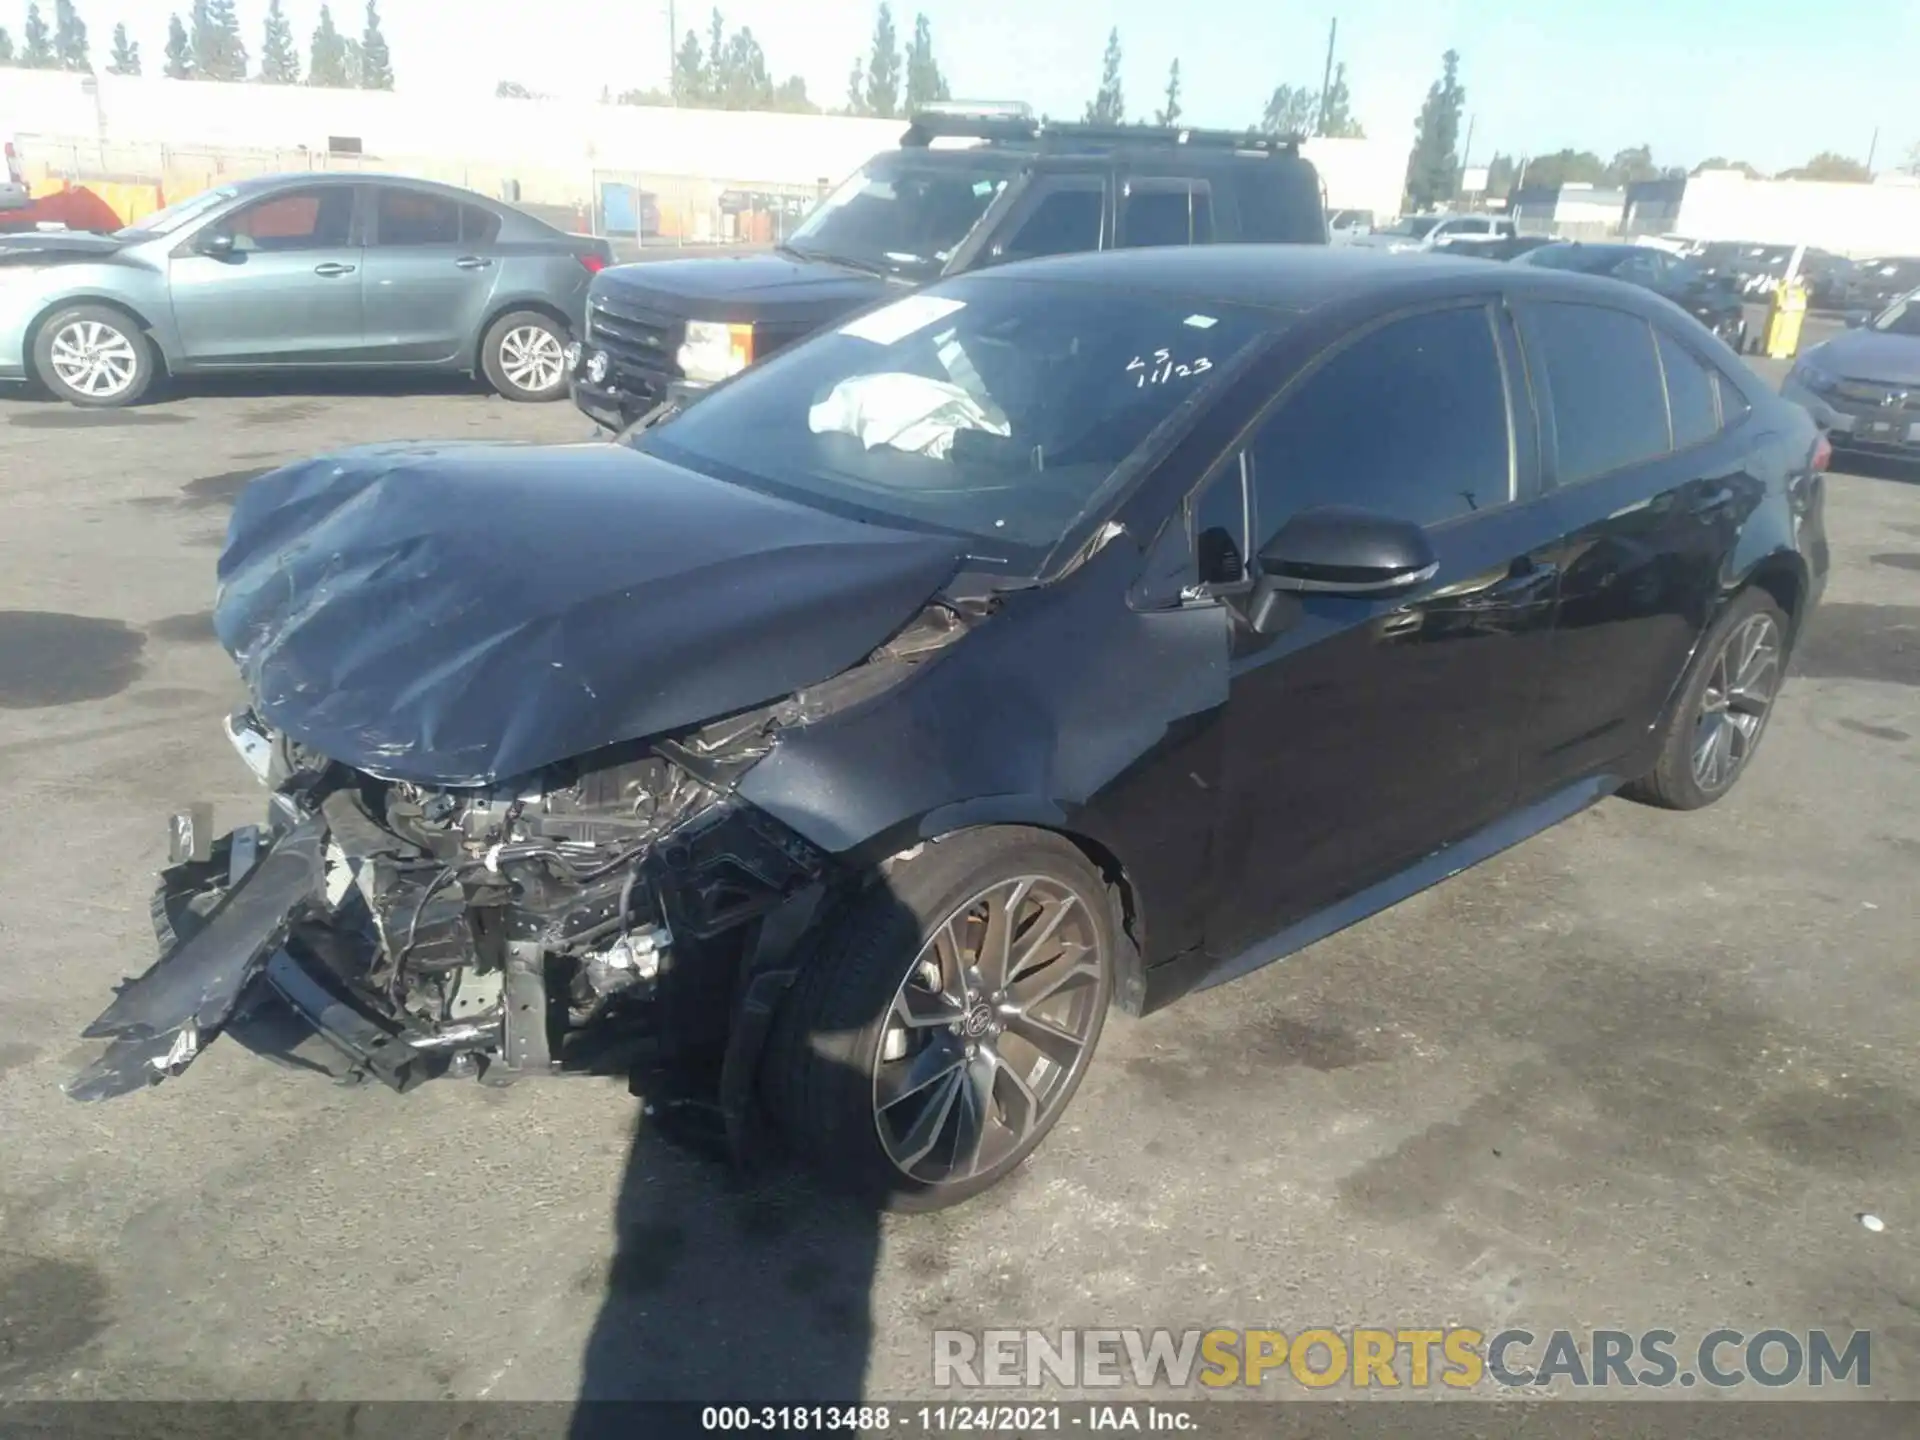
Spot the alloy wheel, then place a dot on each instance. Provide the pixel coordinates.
(988, 1031)
(93, 359)
(1740, 690)
(532, 358)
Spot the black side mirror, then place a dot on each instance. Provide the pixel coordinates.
(1335, 550)
(217, 243)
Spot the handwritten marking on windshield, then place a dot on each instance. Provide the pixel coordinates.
(1163, 367)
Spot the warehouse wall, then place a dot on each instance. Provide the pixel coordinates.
(1853, 220)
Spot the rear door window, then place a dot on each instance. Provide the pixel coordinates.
(1167, 212)
(415, 217)
(1602, 372)
(477, 226)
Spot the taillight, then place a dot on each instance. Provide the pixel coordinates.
(594, 263)
(1822, 454)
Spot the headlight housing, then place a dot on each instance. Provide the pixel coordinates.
(714, 350)
(1809, 376)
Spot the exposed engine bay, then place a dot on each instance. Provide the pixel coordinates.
(595, 917)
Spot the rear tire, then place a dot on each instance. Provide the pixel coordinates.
(93, 356)
(869, 1047)
(1721, 715)
(523, 356)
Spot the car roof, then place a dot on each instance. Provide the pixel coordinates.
(1298, 278)
(363, 177)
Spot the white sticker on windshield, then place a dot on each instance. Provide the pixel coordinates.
(1202, 322)
(897, 321)
(983, 187)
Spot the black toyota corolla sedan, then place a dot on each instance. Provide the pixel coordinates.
(1063, 637)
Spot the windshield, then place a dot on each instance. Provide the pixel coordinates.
(1900, 318)
(901, 214)
(1582, 258)
(165, 222)
(1414, 226)
(993, 408)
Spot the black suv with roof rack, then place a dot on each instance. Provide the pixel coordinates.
(659, 333)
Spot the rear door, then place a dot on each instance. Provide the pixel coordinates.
(289, 292)
(1649, 476)
(431, 267)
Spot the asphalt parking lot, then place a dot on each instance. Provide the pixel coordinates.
(1643, 1071)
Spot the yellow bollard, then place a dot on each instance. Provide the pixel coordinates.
(1786, 311)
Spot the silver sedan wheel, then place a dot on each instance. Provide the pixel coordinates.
(93, 359)
(532, 358)
(989, 1030)
(1740, 691)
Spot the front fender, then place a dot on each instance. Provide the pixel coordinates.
(141, 293)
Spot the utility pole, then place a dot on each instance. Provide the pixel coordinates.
(1872, 145)
(1326, 79)
(673, 55)
(1466, 154)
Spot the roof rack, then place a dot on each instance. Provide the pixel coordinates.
(927, 126)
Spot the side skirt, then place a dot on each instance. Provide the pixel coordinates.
(1428, 871)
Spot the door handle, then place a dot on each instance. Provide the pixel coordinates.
(473, 262)
(332, 268)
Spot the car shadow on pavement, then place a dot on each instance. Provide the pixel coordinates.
(19, 400)
(727, 1285)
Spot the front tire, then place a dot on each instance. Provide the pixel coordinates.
(946, 1018)
(524, 356)
(93, 356)
(1722, 713)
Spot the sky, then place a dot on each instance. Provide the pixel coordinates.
(1770, 82)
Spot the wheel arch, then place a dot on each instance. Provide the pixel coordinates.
(500, 309)
(31, 338)
(1783, 575)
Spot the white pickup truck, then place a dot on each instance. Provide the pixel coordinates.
(13, 187)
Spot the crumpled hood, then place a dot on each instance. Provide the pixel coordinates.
(462, 614)
(1870, 355)
(744, 287)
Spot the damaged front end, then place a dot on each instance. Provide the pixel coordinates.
(587, 920)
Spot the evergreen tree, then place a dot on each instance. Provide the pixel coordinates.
(279, 62)
(857, 89)
(354, 62)
(218, 51)
(925, 83)
(179, 64)
(6, 46)
(38, 54)
(883, 67)
(1291, 110)
(327, 56)
(1109, 103)
(126, 54)
(1433, 168)
(1336, 109)
(1169, 114)
(376, 64)
(70, 38)
(689, 72)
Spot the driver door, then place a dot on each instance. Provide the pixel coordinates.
(1363, 732)
(288, 292)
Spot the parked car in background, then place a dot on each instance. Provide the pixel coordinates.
(298, 271)
(1863, 386)
(1345, 225)
(1456, 234)
(13, 185)
(1509, 247)
(1713, 300)
(666, 331)
(1877, 283)
(1062, 637)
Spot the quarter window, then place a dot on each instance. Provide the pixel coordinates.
(477, 226)
(1690, 400)
(1733, 405)
(1410, 420)
(1603, 374)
